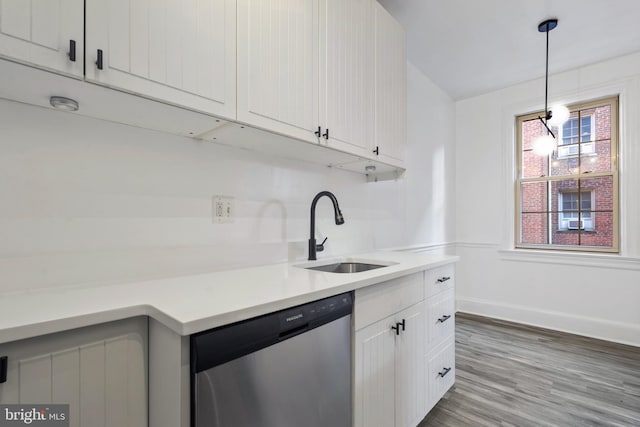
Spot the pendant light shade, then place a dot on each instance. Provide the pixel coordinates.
(544, 145)
(559, 115)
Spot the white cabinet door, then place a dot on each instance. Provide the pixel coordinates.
(347, 61)
(178, 51)
(100, 371)
(390, 88)
(374, 393)
(41, 32)
(278, 66)
(410, 387)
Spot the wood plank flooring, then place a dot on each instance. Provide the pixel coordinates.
(515, 375)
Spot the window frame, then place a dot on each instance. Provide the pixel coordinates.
(614, 172)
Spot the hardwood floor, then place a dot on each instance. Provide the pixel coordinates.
(515, 375)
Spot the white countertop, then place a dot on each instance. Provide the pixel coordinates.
(191, 304)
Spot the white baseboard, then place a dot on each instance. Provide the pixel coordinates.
(623, 333)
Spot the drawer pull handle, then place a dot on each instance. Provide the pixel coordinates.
(318, 132)
(444, 318)
(444, 372)
(444, 279)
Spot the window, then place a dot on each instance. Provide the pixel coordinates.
(575, 210)
(573, 128)
(576, 135)
(569, 199)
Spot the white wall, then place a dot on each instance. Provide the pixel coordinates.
(597, 295)
(85, 202)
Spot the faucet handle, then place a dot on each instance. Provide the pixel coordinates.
(320, 247)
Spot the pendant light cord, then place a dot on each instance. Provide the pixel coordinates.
(546, 82)
(547, 113)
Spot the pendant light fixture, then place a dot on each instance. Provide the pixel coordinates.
(545, 144)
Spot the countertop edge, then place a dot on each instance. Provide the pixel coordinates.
(185, 328)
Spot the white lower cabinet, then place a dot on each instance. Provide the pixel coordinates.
(100, 371)
(404, 348)
(389, 363)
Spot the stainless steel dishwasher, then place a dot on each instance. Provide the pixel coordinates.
(290, 368)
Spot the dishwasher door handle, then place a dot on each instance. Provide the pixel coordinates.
(293, 332)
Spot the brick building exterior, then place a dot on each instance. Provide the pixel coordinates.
(574, 209)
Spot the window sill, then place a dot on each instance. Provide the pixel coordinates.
(571, 258)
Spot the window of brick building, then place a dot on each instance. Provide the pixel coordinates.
(569, 199)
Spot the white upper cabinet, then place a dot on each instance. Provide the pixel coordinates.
(390, 88)
(44, 33)
(278, 66)
(347, 61)
(178, 51)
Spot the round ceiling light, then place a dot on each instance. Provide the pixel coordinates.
(62, 103)
(559, 115)
(544, 145)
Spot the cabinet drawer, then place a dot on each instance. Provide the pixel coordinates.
(439, 279)
(440, 318)
(384, 299)
(441, 372)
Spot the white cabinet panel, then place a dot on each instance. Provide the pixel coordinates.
(410, 392)
(39, 32)
(387, 298)
(390, 88)
(100, 371)
(92, 383)
(181, 52)
(347, 61)
(441, 372)
(375, 365)
(440, 318)
(64, 371)
(439, 279)
(35, 379)
(278, 66)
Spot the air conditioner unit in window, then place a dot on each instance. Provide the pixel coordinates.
(575, 225)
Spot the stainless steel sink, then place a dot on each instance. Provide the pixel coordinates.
(346, 267)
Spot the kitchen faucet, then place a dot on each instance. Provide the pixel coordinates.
(339, 221)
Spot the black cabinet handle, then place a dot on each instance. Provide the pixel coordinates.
(3, 369)
(318, 132)
(72, 50)
(376, 151)
(326, 134)
(99, 60)
(444, 318)
(396, 328)
(444, 372)
(444, 279)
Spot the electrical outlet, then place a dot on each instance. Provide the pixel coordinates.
(223, 209)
